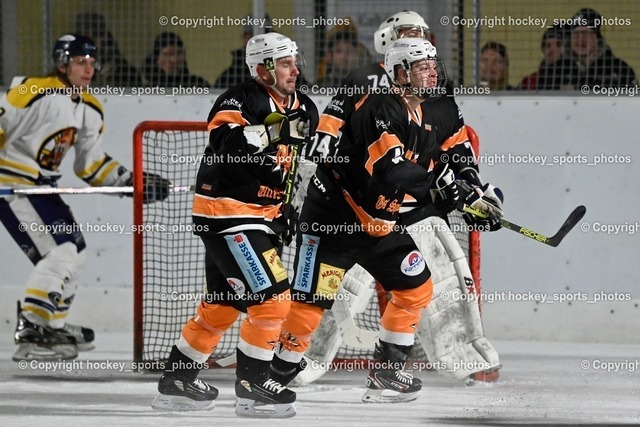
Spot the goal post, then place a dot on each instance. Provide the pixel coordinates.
(169, 273)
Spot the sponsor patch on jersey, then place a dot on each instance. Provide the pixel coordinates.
(237, 285)
(248, 262)
(306, 263)
(329, 279)
(275, 264)
(413, 264)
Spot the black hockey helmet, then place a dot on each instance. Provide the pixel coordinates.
(73, 45)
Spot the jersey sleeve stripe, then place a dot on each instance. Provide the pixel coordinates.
(457, 138)
(379, 148)
(330, 125)
(110, 166)
(226, 207)
(226, 117)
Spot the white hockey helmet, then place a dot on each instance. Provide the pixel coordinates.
(389, 30)
(267, 48)
(404, 52)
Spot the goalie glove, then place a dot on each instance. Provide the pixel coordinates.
(290, 128)
(154, 187)
(444, 191)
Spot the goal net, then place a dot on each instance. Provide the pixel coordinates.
(169, 278)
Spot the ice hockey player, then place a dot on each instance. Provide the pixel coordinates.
(389, 155)
(239, 206)
(462, 325)
(40, 121)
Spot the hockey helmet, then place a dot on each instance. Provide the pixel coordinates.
(267, 48)
(71, 45)
(404, 52)
(389, 30)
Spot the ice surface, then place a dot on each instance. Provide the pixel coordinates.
(540, 383)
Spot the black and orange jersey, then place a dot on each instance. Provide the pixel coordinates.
(387, 152)
(447, 120)
(236, 189)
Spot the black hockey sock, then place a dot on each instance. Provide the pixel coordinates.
(250, 369)
(284, 372)
(182, 366)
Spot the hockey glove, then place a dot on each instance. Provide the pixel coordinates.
(487, 199)
(154, 187)
(290, 128)
(444, 191)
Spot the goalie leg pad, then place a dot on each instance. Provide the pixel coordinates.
(357, 288)
(451, 331)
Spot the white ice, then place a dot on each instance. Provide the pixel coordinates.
(540, 383)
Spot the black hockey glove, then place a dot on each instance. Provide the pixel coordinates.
(154, 187)
(444, 190)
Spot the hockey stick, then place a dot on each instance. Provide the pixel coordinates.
(554, 240)
(40, 190)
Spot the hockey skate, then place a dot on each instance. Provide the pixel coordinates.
(83, 336)
(179, 394)
(269, 399)
(387, 382)
(284, 372)
(39, 342)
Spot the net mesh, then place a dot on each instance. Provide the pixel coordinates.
(173, 279)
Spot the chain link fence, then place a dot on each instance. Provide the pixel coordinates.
(488, 45)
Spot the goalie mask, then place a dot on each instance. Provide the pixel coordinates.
(424, 74)
(405, 23)
(71, 45)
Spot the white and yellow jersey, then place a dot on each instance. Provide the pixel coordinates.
(40, 122)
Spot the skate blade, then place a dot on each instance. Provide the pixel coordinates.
(87, 346)
(388, 396)
(30, 351)
(252, 409)
(164, 402)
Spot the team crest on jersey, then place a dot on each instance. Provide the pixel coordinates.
(54, 148)
(413, 264)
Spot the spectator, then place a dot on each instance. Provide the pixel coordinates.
(494, 66)
(343, 55)
(553, 46)
(591, 61)
(116, 70)
(238, 72)
(167, 65)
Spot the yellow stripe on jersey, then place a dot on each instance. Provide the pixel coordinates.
(3, 139)
(96, 182)
(35, 87)
(91, 169)
(9, 179)
(19, 167)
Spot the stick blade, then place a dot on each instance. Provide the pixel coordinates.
(568, 225)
